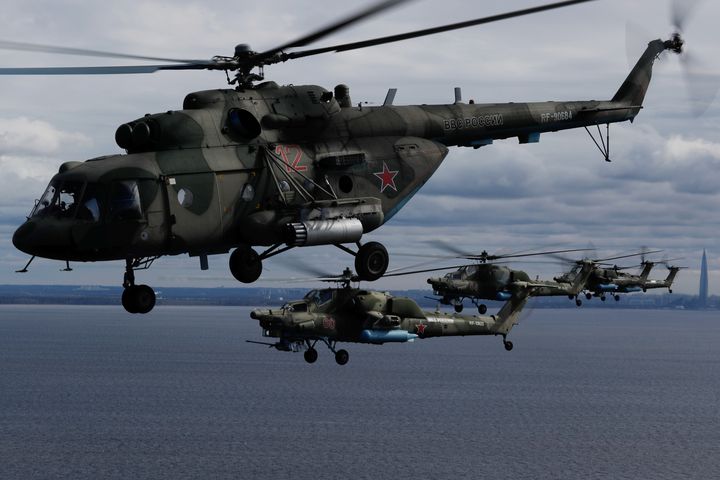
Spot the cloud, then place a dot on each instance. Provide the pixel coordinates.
(23, 135)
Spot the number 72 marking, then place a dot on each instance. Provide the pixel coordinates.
(286, 152)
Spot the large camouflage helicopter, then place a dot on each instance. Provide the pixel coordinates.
(276, 166)
(347, 314)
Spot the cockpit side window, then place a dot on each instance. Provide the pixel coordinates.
(89, 207)
(47, 199)
(125, 201)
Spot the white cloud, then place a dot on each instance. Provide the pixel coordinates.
(24, 135)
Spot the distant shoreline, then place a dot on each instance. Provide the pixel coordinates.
(255, 296)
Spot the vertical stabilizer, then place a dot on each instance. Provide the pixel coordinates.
(634, 88)
(508, 315)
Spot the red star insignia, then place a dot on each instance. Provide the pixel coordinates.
(420, 329)
(387, 178)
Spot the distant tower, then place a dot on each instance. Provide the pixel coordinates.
(703, 296)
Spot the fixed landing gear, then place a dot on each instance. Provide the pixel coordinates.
(245, 264)
(458, 307)
(603, 298)
(616, 297)
(588, 296)
(507, 344)
(578, 302)
(371, 261)
(482, 309)
(311, 354)
(342, 357)
(137, 298)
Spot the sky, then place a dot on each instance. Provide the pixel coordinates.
(662, 189)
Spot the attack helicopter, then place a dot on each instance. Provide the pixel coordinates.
(605, 278)
(667, 283)
(280, 167)
(348, 314)
(487, 279)
(614, 281)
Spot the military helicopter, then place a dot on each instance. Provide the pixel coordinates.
(667, 283)
(614, 281)
(494, 281)
(279, 167)
(347, 314)
(605, 278)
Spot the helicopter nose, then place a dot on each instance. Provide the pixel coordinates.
(22, 235)
(48, 241)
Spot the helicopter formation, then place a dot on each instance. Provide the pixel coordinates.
(269, 167)
(273, 166)
(351, 314)
(588, 277)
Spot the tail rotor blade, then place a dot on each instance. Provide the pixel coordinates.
(680, 11)
(702, 83)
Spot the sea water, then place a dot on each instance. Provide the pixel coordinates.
(94, 392)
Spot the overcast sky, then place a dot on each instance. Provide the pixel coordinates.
(661, 190)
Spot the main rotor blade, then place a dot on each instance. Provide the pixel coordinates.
(399, 274)
(114, 70)
(518, 255)
(647, 252)
(444, 245)
(36, 47)
(332, 28)
(430, 31)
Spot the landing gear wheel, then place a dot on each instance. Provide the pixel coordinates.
(458, 307)
(342, 357)
(245, 264)
(310, 355)
(602, 298)
(371, 261)
(617, 298)
(578, 302)
(588, 296)
(127, 300)
(482, 309)
(138, 299)
(508, 345)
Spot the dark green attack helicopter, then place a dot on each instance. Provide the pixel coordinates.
(612, 280)
(275, 166)
(347, 314)
(488, 278)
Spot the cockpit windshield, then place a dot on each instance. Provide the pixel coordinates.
(69, 199)
(319, 296)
